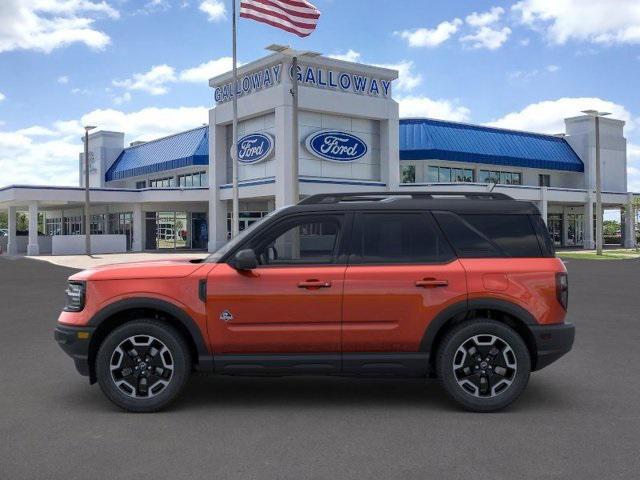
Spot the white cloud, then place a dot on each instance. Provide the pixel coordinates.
(420, 106)
(486, 18)
(48, 155)
(349, 56)
(63, 79)
(548, 116)
(407, 78)
(154, 81)
(45, 25)
(526, 75)
(2, 96)
(214, 9)
(525, 42)
(120, 99)
(487, 37)
(424, 37)
(203, 72)
(596, 21)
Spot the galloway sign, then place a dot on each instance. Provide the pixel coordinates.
(255, 147)
(328, 78)
(248, 84)
(336, 146)
(308, 76)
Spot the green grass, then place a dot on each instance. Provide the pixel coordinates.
(617, 254)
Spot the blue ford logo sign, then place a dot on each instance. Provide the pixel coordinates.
(336, 146)
(255, 147)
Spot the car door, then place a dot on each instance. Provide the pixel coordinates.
(291, 303)
(402, 272)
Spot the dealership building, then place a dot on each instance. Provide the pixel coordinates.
(176, 192)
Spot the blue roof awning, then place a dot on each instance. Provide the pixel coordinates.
(427, 139)
(183, 149)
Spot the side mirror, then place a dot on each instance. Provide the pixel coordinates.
(245, 260)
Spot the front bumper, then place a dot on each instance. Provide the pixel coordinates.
(552, 342)
(75, 343)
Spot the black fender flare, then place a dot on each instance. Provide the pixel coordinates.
(464, 307)
(164, 306)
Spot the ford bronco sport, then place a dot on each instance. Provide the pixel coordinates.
(462, 287)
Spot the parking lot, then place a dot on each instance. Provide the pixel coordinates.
(579, 418)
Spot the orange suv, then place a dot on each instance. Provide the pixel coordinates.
(462, 287)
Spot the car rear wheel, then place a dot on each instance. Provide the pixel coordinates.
(143, 365)
(484, 365)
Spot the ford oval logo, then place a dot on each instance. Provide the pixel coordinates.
(255, 147)
(336, 146)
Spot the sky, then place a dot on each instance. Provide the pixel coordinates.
(141, 66)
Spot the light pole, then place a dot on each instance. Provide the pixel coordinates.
(295, 145)
(596, 114)
(87, 217)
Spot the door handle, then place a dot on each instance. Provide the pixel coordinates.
(314, 284)
(431, 283)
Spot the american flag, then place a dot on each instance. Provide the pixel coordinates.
(295, 16)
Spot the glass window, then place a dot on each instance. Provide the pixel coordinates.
(446, 174)
(399, 238)
(408, 174)
(544, 180)
(467, 241)
(141, 184)
(490, 235)
(504, 178)
(432, 175)
(514, 234)
(300, 241)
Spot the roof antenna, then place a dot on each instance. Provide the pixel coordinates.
(492, 187)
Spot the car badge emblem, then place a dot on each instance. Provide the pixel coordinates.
(226, 316)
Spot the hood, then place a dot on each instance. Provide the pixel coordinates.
(152, 269)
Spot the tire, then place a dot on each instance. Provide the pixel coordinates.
(461, 369)
(143, 365)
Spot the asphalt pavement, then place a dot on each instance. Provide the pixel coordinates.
(579, 418)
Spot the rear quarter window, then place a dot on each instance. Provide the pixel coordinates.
(490, 235)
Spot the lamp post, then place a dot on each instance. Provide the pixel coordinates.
(294, 55)
(87, 217)
(596, 115)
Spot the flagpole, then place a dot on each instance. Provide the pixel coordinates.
(235, 222)
(295, 188)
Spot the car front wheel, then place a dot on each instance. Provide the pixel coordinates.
(143, 365)
(484, 365)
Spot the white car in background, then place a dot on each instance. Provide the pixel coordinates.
(4, 232)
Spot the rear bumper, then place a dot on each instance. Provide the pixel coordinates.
(75, 343)
(552, 342)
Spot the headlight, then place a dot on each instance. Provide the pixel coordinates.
(75, 297)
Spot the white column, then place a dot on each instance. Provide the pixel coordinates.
(283, 156)
(589, 241)
(390, 151)
(12, 246)
(629, 223)
(565, 226)
(542, 204)
(33, 247)
(138, 219)
(218, 209)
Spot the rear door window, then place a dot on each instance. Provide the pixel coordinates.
(399, 238)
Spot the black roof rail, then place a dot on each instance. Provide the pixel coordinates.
(328, 198)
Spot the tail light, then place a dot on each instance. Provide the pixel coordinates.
(562, 289)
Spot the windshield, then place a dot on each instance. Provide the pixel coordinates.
(234, 242)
